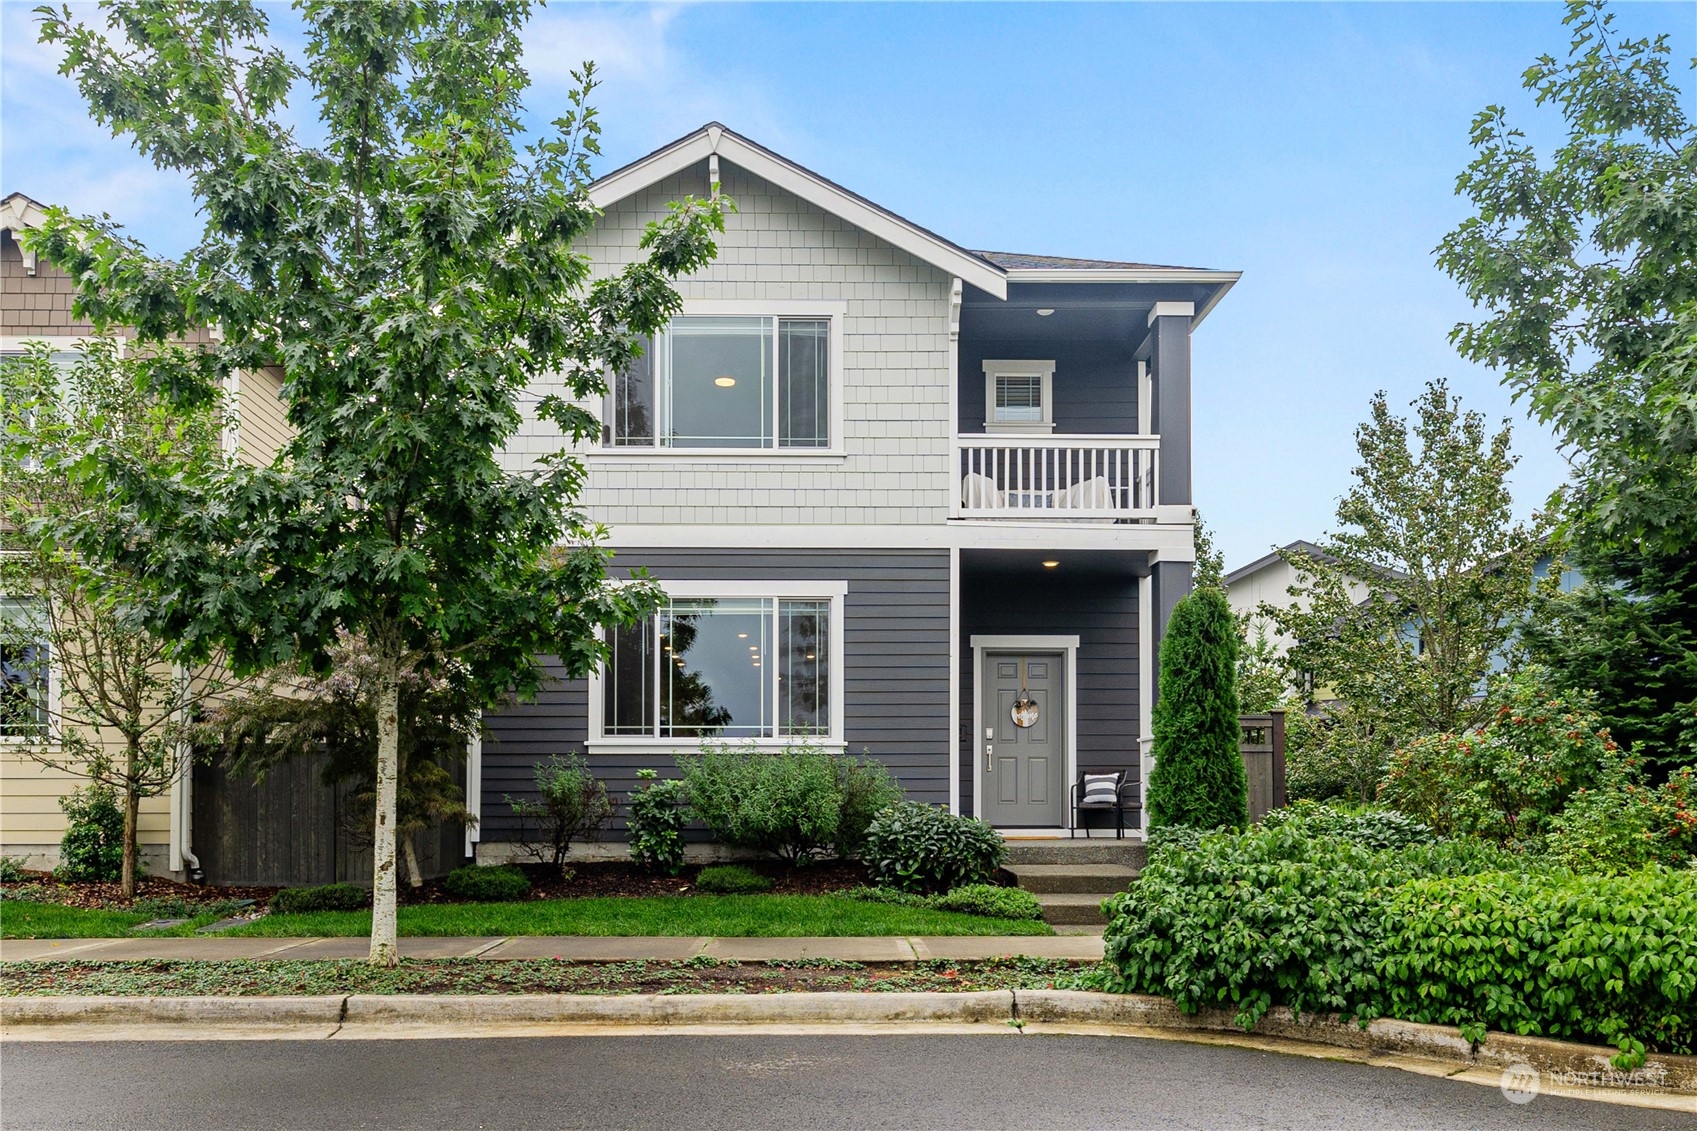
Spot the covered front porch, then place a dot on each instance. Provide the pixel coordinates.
(1055, 655)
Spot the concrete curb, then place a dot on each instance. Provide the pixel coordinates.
(1572, 1069)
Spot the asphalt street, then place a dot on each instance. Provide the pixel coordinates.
(707, 1082)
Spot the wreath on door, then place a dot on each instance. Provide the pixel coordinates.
(1025, 707)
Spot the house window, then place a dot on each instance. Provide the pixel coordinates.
(719, 381)
(722, 667)
(23, 670)
(1019, 396)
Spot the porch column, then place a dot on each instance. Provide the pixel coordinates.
(1169, 581)
(1169, 356)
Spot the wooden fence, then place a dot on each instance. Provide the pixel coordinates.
(293, 829)
(1263, 745)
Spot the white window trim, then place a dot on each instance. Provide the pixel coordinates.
(834, 591)
(1019, 368)
(1065, 644)
(835, 311)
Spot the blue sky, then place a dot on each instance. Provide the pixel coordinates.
(1312, 146)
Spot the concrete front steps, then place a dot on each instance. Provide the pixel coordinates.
(1071, 878)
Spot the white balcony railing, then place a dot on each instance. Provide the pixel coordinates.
(1058, 477)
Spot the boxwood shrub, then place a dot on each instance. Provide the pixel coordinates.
(731, 879)
(927, 849)
(327, 897)
(488, 884)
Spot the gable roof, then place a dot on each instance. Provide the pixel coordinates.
(1261, 563)
(1020, 261)
(18, 211)
(714, 139)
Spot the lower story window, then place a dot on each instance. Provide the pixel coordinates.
(23, 670)
(722, 667)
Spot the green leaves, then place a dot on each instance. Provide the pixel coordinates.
(920, 848)
(1199, 779)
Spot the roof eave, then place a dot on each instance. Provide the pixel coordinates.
(1223, 281)
(807, 185)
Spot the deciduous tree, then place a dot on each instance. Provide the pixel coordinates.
(415, 271)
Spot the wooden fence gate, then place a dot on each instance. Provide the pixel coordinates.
(1262, 742)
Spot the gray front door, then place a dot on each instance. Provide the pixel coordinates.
(1024, 767)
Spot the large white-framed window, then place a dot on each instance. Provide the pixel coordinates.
(738, 662)
(1019, 396)
(734, 376)
(26, 684)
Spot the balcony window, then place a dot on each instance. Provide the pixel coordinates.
(722, 668)
(1019, 396)
(750, 382)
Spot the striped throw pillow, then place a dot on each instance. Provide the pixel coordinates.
(1101, 789)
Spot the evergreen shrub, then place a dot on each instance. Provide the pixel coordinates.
(1198, 779)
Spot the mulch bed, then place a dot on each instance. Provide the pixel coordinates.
(601, 878)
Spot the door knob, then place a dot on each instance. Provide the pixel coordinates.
(988, 752)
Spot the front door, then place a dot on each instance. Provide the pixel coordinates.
(1022, 741)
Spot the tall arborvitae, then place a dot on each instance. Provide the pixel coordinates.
(1198, 778)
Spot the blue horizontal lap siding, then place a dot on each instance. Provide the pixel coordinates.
(1102, 612)
(895, 673)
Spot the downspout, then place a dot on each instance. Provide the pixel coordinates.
(183, 848)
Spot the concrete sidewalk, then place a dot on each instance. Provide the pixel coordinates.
(570, 948)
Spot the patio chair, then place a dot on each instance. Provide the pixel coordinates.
(1098, 791)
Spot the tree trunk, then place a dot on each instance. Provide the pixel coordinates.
(384, 951)
(415, 877)
(132, 815)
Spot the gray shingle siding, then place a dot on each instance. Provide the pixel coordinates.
(1102, 612)
(895, 678)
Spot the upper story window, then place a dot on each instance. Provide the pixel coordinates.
(23, 670)
(1019, 396)
(744, 381)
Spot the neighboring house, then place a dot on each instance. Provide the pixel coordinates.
(888, 483)
(35, 306)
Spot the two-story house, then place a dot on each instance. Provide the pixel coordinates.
(891, 485)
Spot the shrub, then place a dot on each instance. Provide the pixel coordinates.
(887, 895)
(1198, 778)
(1504, 781)
(990, 900)
(1175, 838)
(1370, 828)
(1268, 917)
(925, 848)
(1588, 958)
(731, 879)
(11, 870)
(656, 818)
(501, 883)
(1622, 825)
(573, 805)
(328, 897)
(92, 849)
(797, 802)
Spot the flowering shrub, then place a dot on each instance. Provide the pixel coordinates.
(1623, 824)
(1505, 780)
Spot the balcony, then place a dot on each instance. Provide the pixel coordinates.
(1069, 478)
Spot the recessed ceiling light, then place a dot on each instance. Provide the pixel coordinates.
(742, 636)
(724, 382)
(1050, 565)
(810, 655)
(1044, 312)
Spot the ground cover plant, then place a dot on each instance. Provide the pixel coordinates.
(478, 976)
(767, 916)
(971, 899)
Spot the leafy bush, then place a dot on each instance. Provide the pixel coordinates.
(1589, 958)
(731, 879)
(1505, 780)
(499, 883)
(1177, 838)
(796, 802)
(1268, 917)
(1370, 828)
(925, 848)
(328, 897)
(11, 870)
(655, 820)
(1198, 777)
(887, 895)
(574, 805)
(990, 900)
(92, 849)
(1622, 825)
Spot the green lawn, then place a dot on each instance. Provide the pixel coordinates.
(734, 916)
(20, 919)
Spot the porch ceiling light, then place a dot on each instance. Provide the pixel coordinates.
(1050, 565)
(1045, 311)
(724, 382)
